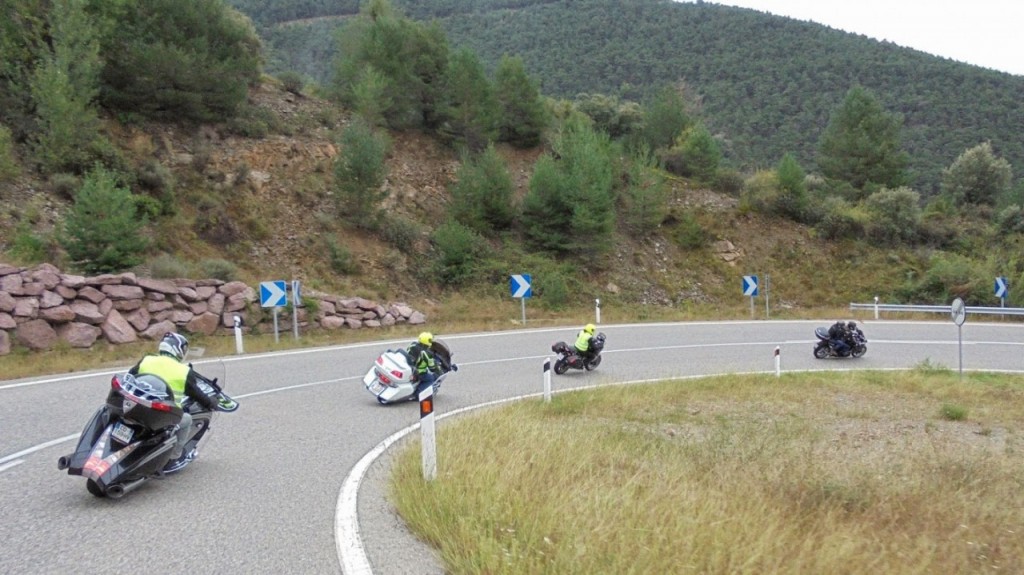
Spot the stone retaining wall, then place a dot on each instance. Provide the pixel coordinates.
(41, 306)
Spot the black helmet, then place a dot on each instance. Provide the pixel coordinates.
(851, 325)
(174, 345)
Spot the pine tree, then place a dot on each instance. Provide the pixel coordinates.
(523, 116)
(861, 145)
(64, 88)
(470, 113)
(103, 230)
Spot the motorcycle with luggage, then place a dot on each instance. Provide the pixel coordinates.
(568, 357)
(392, 377)
(130, 438)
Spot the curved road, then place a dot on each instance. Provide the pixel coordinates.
(263, 496)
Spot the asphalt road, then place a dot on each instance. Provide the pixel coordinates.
(267, 493)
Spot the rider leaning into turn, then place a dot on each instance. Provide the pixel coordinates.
(421, 355)
(169, 365)
(838, 337)
(583, 339)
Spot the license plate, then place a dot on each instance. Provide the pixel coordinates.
(377, 387)
(122, 433)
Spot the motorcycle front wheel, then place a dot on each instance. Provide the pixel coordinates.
(859, 350)
(592, 364)
(821, 351)
(561, 367)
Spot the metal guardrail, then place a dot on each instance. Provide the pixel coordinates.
(946, 309)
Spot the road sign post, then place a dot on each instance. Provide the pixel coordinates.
(519, 286)
(274, 294)
(296, 302)
(1001, 289)
(750, 289)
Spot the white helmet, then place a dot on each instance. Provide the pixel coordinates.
(174, 345)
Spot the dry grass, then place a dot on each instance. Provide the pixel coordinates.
(810, 473)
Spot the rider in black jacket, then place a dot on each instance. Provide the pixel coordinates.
(838, 337)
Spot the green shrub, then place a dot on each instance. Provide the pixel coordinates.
(838, 220)
(687, 232)
(103, 230)
(1010, 220)
(157, 179)
(340, 257)
(291, 81)
(28, 246)
(457, 249)
(65, 185)
(218, 269)
(953, 412)
(8, 167)
(166, 266)
(728, 181)
(552, 290)
(401, 232)
(893, 216)
(359, 171)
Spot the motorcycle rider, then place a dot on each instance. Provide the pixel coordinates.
(838, 336)
(584, 341)
(424, 362)
(169, 365)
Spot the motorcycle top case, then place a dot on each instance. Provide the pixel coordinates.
(133, 397)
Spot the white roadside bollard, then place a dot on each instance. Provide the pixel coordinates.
(428, 440)
(547, 380)
(238, 335)
(778, 363)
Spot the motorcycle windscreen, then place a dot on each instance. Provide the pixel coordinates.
(442, 350)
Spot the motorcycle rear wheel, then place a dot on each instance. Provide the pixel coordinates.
(821, 351)
(94, 488)
(561, 367)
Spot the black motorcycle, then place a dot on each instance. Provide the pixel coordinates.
(130, 438)
(858, 344)
(568, 357)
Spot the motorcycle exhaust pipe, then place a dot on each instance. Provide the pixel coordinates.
(64, 462)
(120, 490)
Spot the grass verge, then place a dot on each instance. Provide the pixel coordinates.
(861, 472)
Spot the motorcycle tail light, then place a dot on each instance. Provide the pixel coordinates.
(161, 406)
(380, 361)
(396, 373)
(384, 379)
(114, 383)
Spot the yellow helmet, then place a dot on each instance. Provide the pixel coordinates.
(426, 338)
(590, 328)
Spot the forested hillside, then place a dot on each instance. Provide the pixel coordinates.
(767, 84)
(147, 135)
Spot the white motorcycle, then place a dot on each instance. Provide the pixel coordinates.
(392, 377)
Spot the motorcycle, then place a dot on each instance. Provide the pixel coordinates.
(392, 379)
(824, 348)
(130, 438)
(568, 357)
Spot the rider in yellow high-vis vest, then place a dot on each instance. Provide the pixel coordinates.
(169, 365)
(583, 339)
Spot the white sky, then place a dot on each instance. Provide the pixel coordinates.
(987, 33)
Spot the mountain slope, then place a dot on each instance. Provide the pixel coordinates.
(767, 84)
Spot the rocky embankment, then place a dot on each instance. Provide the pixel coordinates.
(41, 307)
